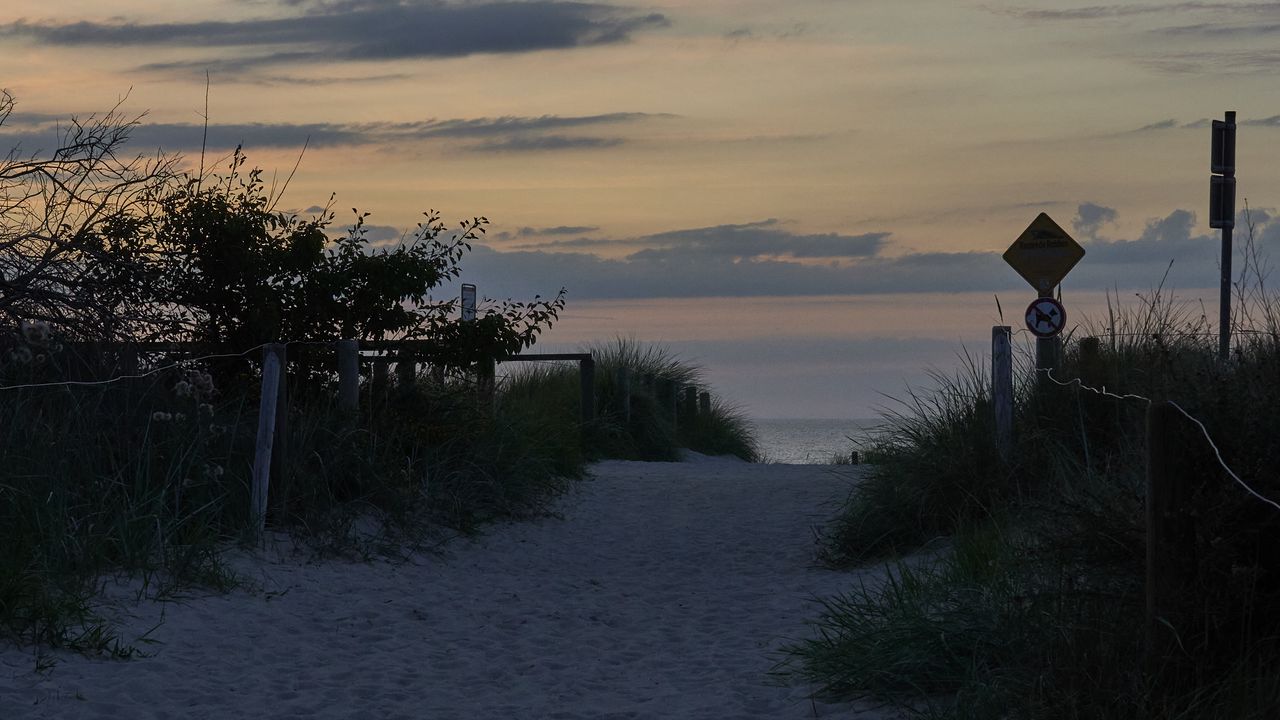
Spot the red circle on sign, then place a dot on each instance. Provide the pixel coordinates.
(1046, 317)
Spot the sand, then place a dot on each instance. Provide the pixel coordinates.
(662, 590)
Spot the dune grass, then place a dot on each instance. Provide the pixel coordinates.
(150, 478)
(655, 431)
(139, 479)
(1037, 609)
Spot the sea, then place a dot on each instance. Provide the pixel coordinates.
(810, 441)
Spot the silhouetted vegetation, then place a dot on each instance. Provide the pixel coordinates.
(1029, 598)
(149, 475)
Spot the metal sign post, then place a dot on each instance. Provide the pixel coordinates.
(1043, 255)
(1222, 214)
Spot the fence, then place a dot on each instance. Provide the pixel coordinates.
(1170, 483)
(102, 363)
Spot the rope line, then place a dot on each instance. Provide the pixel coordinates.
(1203, 430)
(153, 371)
(1222, 462)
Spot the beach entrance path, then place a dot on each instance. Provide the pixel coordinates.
(663, 590)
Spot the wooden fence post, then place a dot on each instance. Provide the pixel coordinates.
(127, 360)
(587, 385)
(406, 370)
(1002, 387)
(1171, 556)
(691, 403)
(271, 368)
(280, 443)
(486, 382)
(378, 382)
(349, 375)
(672, 400)
(704, 404)
(624, 393)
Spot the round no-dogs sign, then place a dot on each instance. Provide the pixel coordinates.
(1046, 317)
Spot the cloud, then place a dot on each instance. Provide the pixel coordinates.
(764, 259)
(367, 30)
(650, 275)
(1117, 10)
(543, 143)
(558, 230)
(763, 239)
(1272, 121)
(1211, 62)
(1090, 217)
(506, 134)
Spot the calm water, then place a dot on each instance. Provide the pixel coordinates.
(803, 441)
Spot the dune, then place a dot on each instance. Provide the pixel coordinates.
(658, 590)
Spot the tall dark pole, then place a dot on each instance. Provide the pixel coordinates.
(1224, 163)
(1224, 312)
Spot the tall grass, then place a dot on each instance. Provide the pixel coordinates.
(1037, 611)
(936, 468)
(145, 479)
(103, 479)
(150, 478)
(654, 431)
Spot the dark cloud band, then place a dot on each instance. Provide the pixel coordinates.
(369, 30)
(502, 134)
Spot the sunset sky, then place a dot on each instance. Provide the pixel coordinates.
(809, 197)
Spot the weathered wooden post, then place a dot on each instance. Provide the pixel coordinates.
(280, 444)
(624, 393)
(1091, 369)
(406, 369)
(690, 404)
(1002, 387)
(587, 388)
(349, 375)
(1171, 560)
(486, 384)
(380, 379)
(666, 392)
(127, 360)
(704, 404)
(272, 366)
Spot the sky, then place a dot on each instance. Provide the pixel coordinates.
(808, 198)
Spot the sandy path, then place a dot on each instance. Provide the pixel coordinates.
(663, 592)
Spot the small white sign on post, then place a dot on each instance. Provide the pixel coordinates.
(468, 302)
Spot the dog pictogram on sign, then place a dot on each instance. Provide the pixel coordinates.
(1046, 317)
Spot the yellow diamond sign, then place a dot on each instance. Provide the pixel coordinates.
(1043, 254)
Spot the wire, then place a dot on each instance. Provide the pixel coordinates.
(1205, 431)
(1222, 462)
(154, 371)
(1080, 384)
